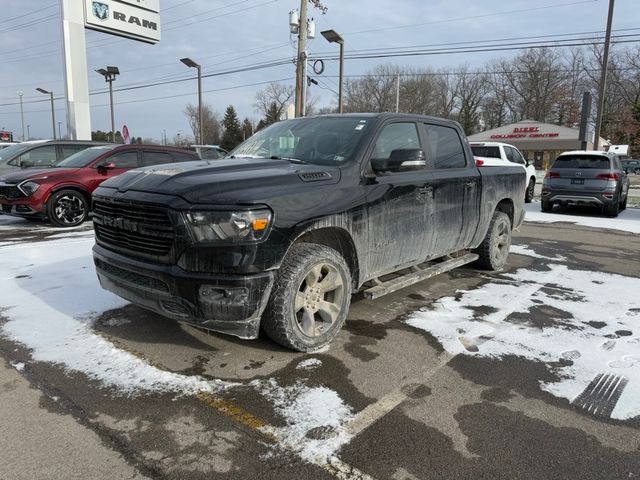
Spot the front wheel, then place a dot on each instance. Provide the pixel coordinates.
(494, 249)
(67, 208)
(310, 298)
(531, 188)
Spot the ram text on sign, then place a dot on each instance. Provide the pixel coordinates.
(121, 19)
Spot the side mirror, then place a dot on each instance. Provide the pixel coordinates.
(401, 160)
(528, 162)
(106, 166)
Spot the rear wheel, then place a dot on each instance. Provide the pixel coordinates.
(494, 249)
(310, 298)
(546, 206)
(67, 208)
(613, 209)
(531, 188)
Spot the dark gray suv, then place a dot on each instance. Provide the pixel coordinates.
(586, 178)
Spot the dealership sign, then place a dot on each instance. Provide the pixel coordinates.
(526, 132)
(136, 19)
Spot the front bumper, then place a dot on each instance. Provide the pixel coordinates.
(231, 304)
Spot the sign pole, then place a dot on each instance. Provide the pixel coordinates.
(75, 70)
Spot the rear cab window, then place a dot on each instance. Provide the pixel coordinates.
(485, 151)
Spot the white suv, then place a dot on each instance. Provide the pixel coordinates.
(496, 154)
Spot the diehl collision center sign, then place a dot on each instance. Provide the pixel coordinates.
(526, 132)
(136, 19)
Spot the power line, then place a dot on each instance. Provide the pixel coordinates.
(32, 12)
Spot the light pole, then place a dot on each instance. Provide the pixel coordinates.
(109, 75)
(191, 64)
(334, 37)
(53, 112)
(59, 131)
(21, 112)
(28, 132)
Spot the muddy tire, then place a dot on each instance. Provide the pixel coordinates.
(546, 206)
(531, 189)
(67, 208)
(310, 298)
(494, 249)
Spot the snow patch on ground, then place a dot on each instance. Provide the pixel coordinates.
(590, 318)
(18, 366)
(52, 297)
(315, 416)
(309, 363)
(627, 221)
(527, 251)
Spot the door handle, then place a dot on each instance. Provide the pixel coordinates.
(469, 185)
(425, 190)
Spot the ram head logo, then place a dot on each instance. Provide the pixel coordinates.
(101, 10)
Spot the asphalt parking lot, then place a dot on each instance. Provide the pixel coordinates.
(528, 373)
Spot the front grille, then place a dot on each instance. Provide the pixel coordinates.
(11, 191)
(134, 227)
(132, 277)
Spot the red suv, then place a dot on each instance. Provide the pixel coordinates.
(63, 193)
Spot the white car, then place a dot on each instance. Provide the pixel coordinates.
(496, 154)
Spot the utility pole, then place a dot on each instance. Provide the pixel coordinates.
(398, 93)
(301, 63)
(21, 112)
(603, 78)
(28, 132)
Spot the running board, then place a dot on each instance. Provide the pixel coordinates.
(384, 288)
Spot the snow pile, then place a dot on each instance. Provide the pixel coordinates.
(315, 416)
(52, 297)
(309, 364)
(591, 320)
(525, 250)
(627, 221)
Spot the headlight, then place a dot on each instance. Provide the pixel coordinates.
(29, 188)
(231, 227)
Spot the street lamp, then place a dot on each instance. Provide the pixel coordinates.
(334, 37)
(191, 64)
(109, 75)
(53, 113)
(21, 112)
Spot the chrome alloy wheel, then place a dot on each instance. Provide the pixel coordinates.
(319, 299)
(70, 209)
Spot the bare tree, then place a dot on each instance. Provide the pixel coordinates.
(471, 90)
(210, 123)
(275, 93)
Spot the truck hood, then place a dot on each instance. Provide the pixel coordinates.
(34, 174)
(227, 181)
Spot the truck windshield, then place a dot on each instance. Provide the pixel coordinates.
(85, 157)
(320, 140)
(487, 152)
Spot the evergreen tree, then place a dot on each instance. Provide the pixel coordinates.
(232, 134)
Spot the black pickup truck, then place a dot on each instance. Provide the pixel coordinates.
(279, 234)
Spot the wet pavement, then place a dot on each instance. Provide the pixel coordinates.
(414, 409)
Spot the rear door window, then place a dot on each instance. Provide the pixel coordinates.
(149, 157)
(444, 147)
(582, 161)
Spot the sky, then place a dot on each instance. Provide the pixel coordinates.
(229, 34)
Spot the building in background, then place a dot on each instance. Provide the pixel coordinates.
(540, 142)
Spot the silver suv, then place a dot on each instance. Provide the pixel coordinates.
(586, 178)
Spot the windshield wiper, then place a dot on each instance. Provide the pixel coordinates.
(290, 159)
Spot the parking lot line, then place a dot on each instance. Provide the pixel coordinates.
(374, 412)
